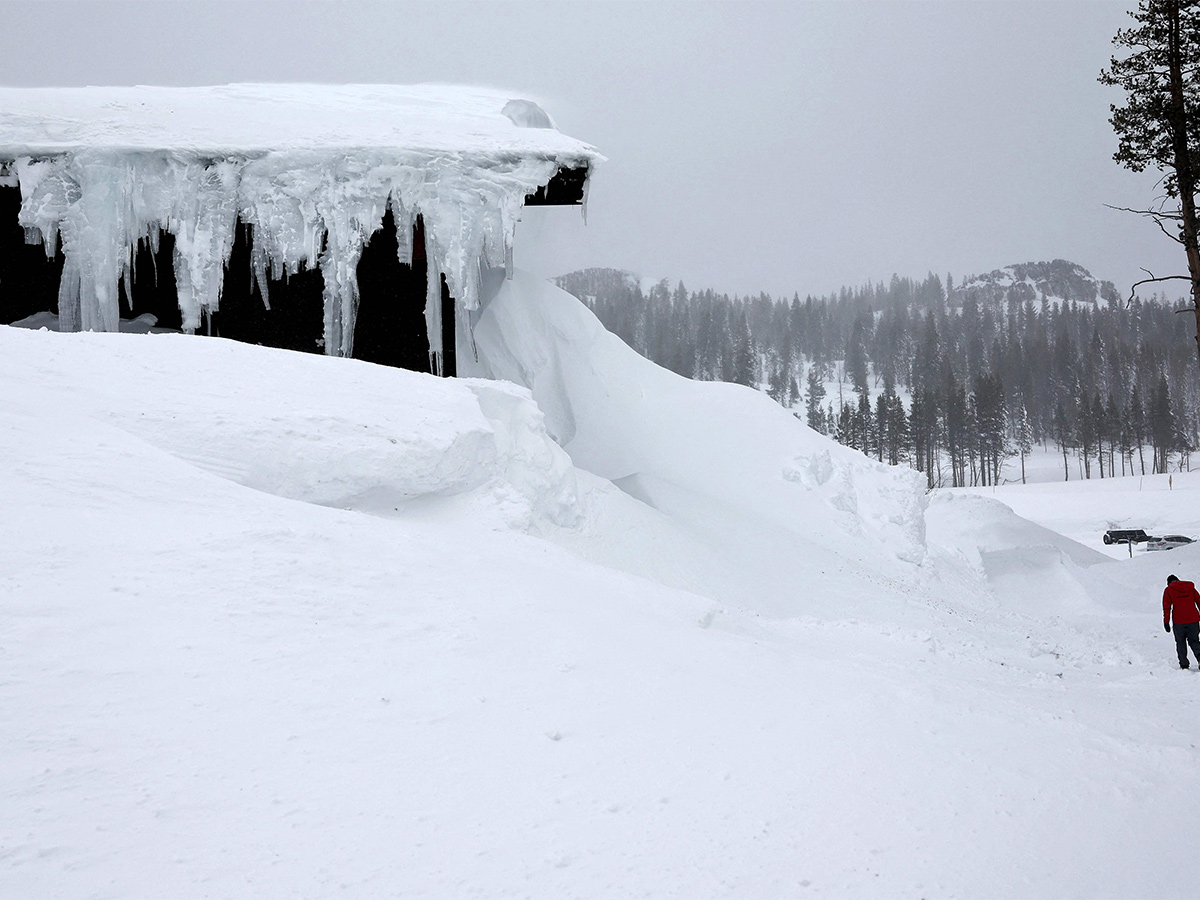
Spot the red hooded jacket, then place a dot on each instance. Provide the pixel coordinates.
(1181, 598)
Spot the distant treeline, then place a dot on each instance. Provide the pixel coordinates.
(952, 381)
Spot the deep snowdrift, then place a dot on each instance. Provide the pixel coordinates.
(350, 435)
(740, 476)
(283, 625)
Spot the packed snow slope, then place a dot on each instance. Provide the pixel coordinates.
(287, 625)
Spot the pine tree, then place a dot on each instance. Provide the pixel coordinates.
(846, 431)
(1161, 422)
(1099, 425)
(898, 431)
(864, 423)
(957, 428)
(743, 356)
(1064, 436)
(924, 426)
(1024, 435)
(856, 357)
(882, 438)
(1159, 125)
(1113, 429)
(1137, 426)
(777, 386)
(812, 402)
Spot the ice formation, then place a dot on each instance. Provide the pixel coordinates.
(312, 170)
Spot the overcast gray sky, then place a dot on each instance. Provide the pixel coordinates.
(752, 147)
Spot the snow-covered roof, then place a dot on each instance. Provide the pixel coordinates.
(255, 118)
(312, 168)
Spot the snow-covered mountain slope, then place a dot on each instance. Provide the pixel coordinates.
(253, 647)
(1057, 280)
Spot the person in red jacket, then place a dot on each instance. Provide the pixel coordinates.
(1181, 602)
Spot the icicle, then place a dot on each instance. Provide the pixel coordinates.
(96, 231)
(202, 218)
(259, 261)
(464, 334)
(304, 209)
(351, 216)
(127, 279)
(189, 306)
(154, 240)
(433, 306)
(46, 193)
(68, 297)
(332, 308)
(405, 222)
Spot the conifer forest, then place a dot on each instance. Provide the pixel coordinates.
(953, 380)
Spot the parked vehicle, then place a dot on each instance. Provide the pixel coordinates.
(1170, 542)
(1126, 536)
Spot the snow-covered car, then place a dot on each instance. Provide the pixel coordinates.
(1126, 536)
(1170, 542)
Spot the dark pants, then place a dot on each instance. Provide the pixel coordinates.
(1187, 636)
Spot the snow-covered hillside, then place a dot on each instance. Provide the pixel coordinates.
(1056, 281)
(288, 625)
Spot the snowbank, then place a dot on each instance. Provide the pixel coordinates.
(337, 433)
(217, 690)
(674, 443)
(1029, 568)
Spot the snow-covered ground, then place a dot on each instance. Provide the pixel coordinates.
(1084, 510)
(287, 625)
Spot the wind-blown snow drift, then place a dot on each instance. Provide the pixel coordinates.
(1027, 567)
(311, 168)
(652, 432)
(366, 437)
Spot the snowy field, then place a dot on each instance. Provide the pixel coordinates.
(1084, 510)
(284, 625)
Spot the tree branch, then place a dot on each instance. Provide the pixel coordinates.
(1145, 212)
(1163, 229)
(1156, 216)
(1153, 278)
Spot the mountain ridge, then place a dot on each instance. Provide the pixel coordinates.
(1042, 281)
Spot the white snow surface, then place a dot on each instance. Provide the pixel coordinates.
(235, 119)
(286, 625)
(312, 168)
